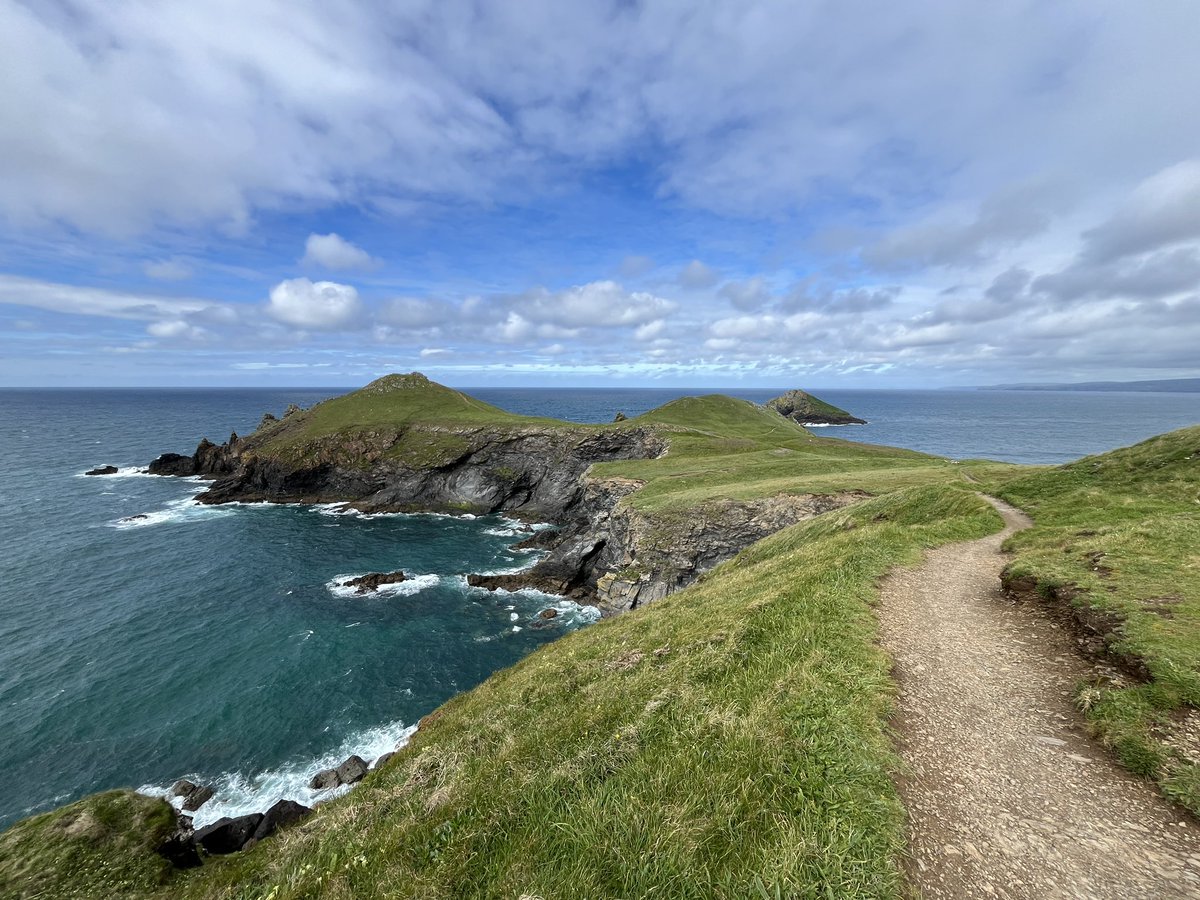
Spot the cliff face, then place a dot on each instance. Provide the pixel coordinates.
(618, 558)
(535, 473)
(405, 444)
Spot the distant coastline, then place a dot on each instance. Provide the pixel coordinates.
(1165, 385)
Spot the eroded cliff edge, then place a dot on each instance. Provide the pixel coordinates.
(406, 444)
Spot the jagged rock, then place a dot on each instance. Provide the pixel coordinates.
(267, 421)
(182, 788)
(173, 464)
(179, 849)
(349, 772)
(228, 835)
(102, 470)
(194, 795)
(281, 815)
(197, 798)
(620, 417)
(364, 584)
(291, 410)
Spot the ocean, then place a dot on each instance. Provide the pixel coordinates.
(215, 642)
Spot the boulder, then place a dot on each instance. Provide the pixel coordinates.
(281, 815)
(228, 835)
(383, 759)
(548, 614)
(182, 788)
(197, 798)
(102, 470)
(352, 770)
(620, 417)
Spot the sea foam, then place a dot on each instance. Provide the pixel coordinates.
(239, 795)
(414, 584)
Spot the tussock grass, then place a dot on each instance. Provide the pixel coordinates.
(1120, 534)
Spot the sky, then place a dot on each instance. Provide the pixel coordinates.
(742, 194)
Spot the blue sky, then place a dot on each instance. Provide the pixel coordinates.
(770, 194)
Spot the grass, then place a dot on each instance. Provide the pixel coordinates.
(101, 846)
(1119, 535)
(723, 448)
(728, 741)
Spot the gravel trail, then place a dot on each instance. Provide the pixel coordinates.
(1006, 794)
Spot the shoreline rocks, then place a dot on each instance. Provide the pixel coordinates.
(102, 470)
(349, 772)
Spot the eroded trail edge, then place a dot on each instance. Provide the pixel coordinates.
(1006, 794)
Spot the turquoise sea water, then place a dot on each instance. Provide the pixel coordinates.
(213, 642)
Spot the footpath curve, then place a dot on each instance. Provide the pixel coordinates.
(1006, 794)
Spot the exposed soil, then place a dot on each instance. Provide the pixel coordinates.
(1007, 795)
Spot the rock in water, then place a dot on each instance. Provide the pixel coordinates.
(352, 770)
(805, 409)
(102, 470)
(173, 464)
(548, 613)
(228, 835)
(194, 795)
(364, 584)
(281, 815)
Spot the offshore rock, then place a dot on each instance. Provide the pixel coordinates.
(102, 470)
(364, 584)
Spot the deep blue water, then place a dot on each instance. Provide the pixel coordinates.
(208, 641)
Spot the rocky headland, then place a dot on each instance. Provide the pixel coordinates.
(406, 444)
(805, 409)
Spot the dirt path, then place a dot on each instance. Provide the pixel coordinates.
(1007, 796)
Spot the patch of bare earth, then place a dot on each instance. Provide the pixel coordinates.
(1007, 796)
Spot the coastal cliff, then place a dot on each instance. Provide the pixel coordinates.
(406, 444)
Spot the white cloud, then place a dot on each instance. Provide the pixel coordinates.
(330, 251)
(600, 304)
(168, 269)
(321, 305)
(697, 275)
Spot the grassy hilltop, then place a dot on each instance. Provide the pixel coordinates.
(729, 740)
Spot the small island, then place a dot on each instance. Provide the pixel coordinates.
(805, 409)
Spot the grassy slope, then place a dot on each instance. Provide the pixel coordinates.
(727, 448)
(102, 846)
(727, 741)
(408, 417)
(1122, 531)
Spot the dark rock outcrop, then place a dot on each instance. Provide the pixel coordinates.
(364, 584)
(102, 470)
(173, 464)
(228, 835)
(349, 772)
(194, 795)
(619, 558)
(805, 409)
(266, 421)
(281, 815)
(179, 849)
